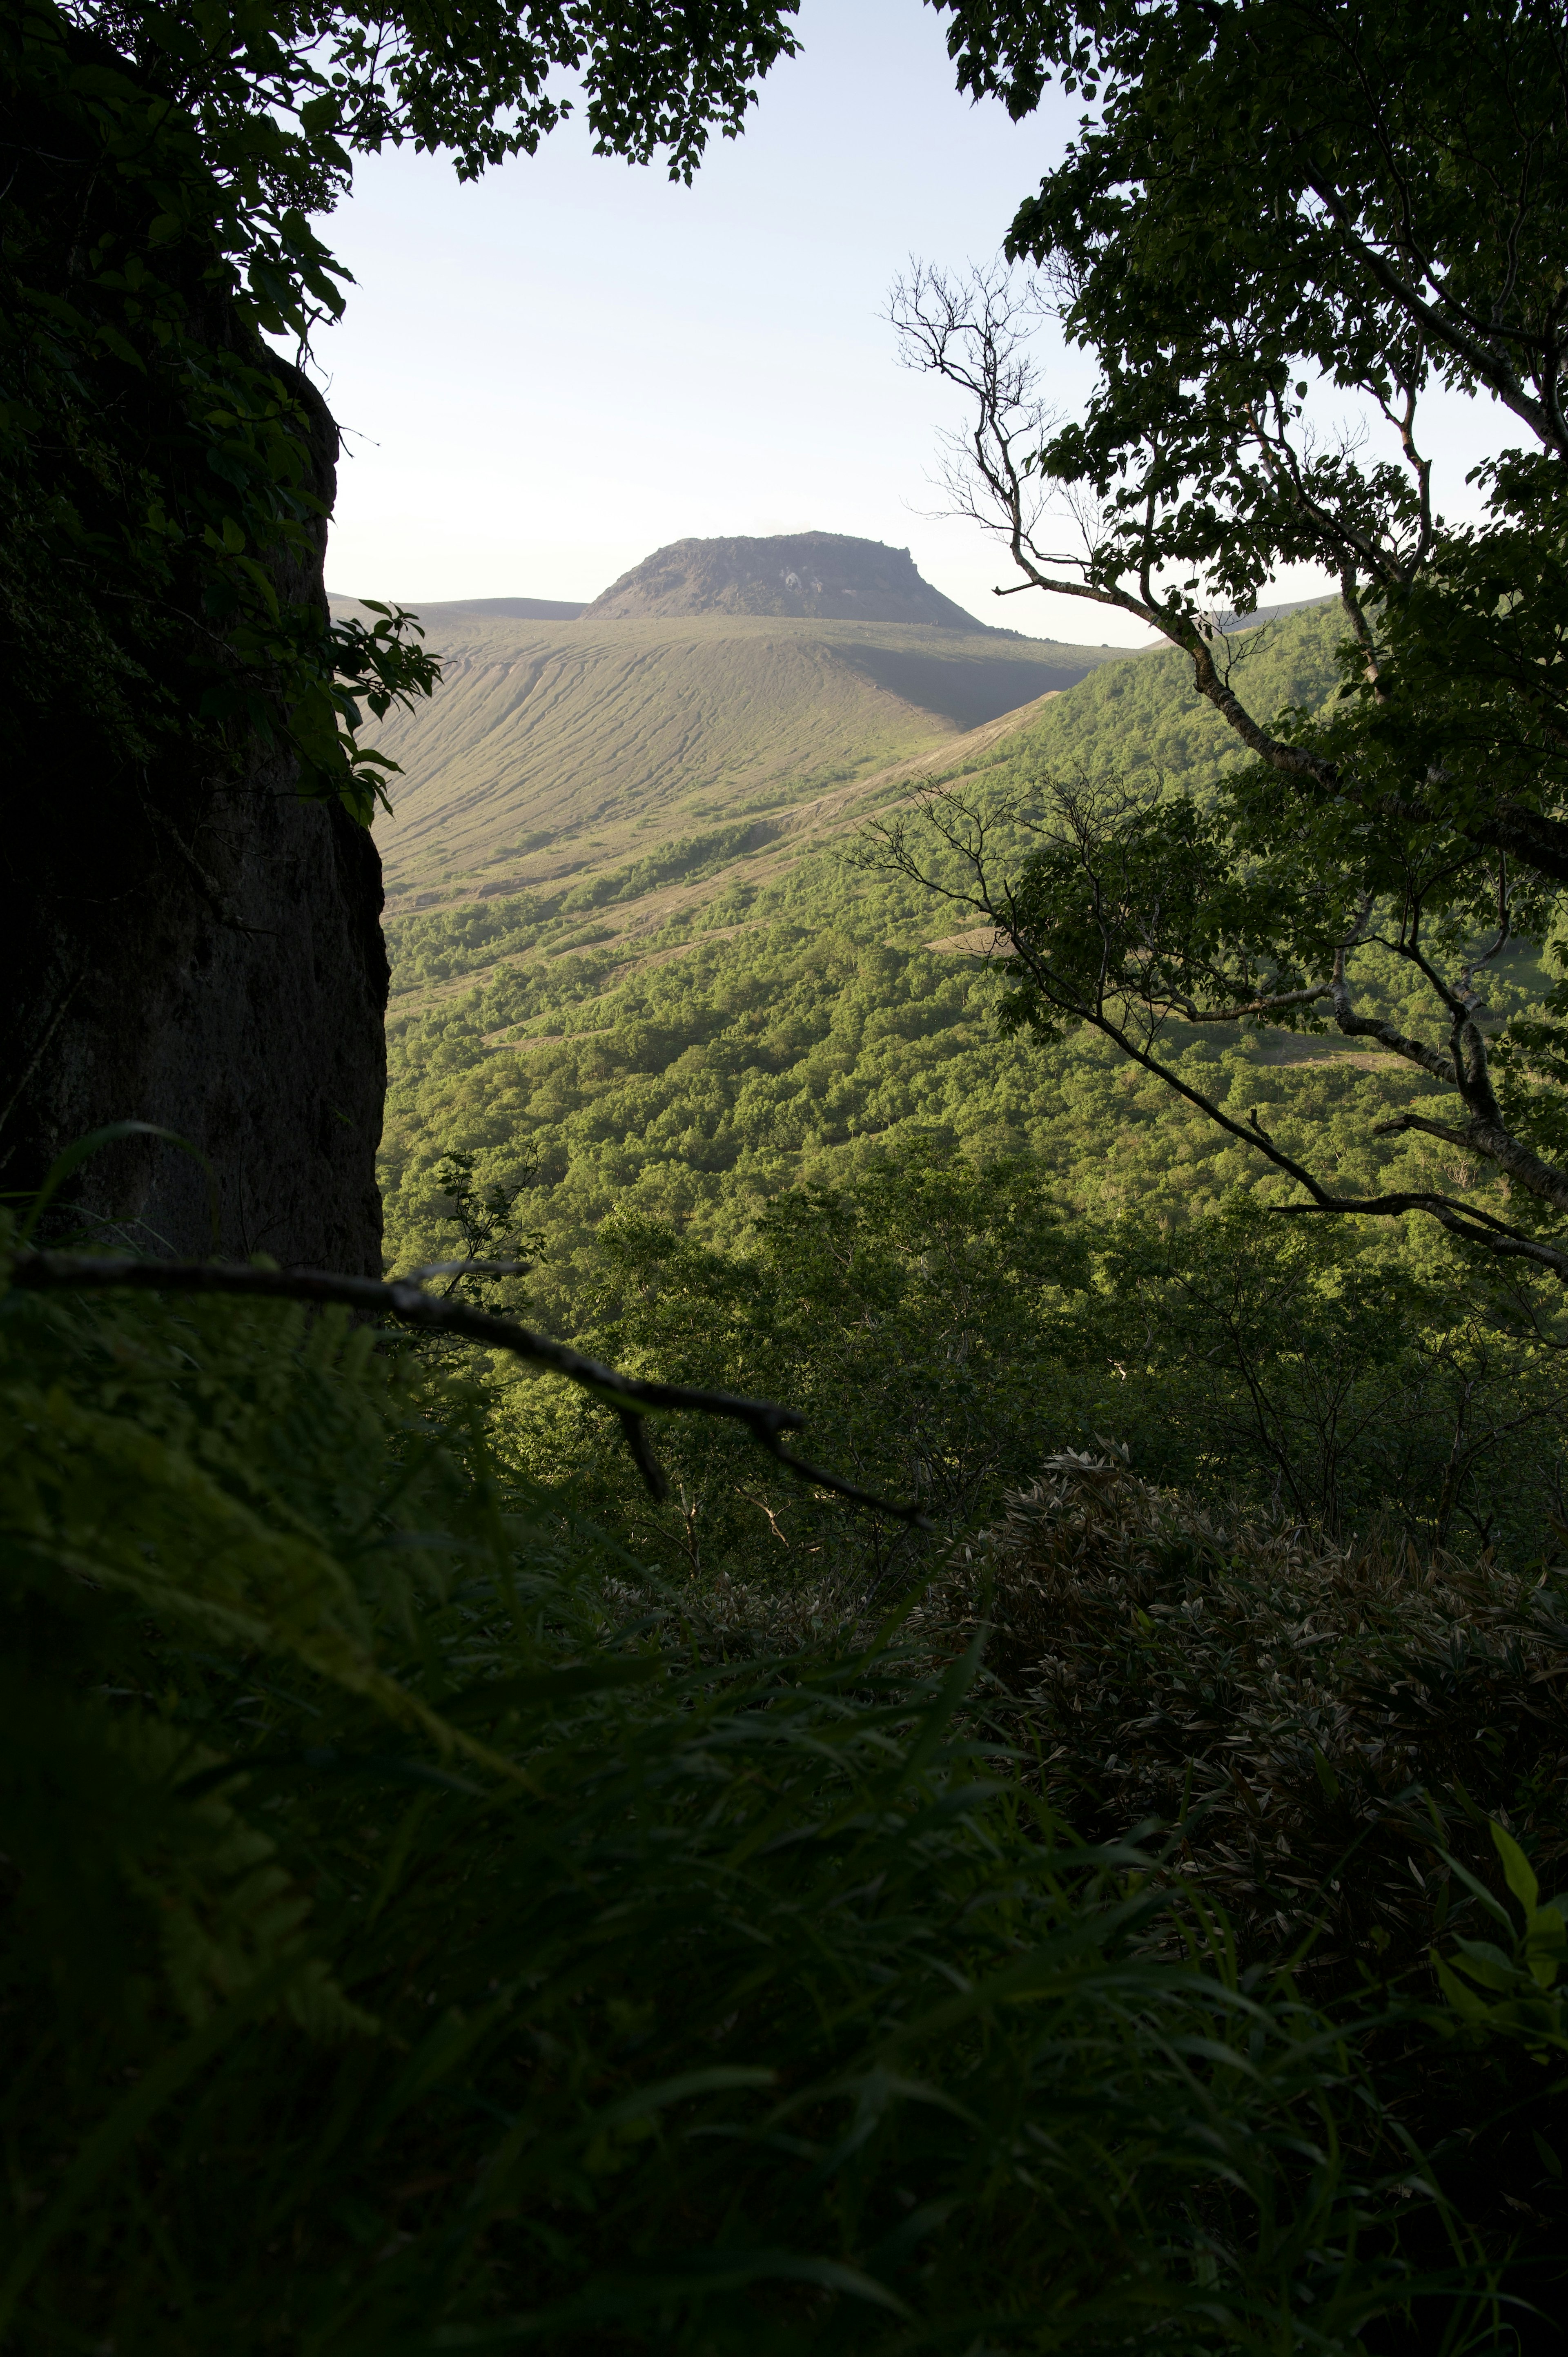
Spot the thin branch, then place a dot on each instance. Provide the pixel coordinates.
(1191, 1013)
(634, 1432)
(1386, 1034)
(975, 336)
(1463, 1219)
(631, 1397)
(1087, 1002)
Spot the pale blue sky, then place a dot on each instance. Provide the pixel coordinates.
(547, 374)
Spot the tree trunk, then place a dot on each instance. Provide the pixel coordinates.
(204, 954)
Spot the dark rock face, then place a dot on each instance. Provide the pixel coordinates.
(203, 953)
(824, 574)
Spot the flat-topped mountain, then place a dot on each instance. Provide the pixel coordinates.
(812, 576)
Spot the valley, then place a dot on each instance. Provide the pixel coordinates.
(801, 1593)
(637, 954)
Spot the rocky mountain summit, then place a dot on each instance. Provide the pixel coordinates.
(823, 575)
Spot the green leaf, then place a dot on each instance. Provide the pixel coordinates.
(1517, 1871)
(1546, 1943)
(1465, 2001)
(1487, 1965)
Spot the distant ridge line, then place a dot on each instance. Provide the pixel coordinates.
(510, 609)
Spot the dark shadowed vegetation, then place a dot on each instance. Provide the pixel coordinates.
(427, 1937)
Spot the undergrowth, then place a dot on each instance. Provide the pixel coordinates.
(420, 1936)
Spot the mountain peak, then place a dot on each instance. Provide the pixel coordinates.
(823, 575)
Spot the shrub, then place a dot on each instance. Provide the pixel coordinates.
(1329, 1738)
(1322, 1723)
(406, 1952)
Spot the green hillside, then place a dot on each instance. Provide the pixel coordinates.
(557, 750)
(740, 1005)
(634, 821)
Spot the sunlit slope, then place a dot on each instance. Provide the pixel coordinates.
(1142, 716)
(747, 1005)
(556, 749)
(669, 859)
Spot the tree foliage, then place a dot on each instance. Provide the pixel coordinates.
(943, 1328)
(1283, 228)
(164, 477)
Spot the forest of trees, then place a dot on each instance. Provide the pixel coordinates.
(640, 1129)
(907, 1692)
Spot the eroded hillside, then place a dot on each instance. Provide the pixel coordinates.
(557, 751)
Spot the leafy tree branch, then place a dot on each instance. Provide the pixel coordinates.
(1128, 912)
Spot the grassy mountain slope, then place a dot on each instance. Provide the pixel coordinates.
(656, 851)
(1142, 715)
(741, 1007)
(558, 749)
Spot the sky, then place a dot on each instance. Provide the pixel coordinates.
(546, 374)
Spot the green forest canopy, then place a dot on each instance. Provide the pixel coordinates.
(791, 1014)
(753, 1124)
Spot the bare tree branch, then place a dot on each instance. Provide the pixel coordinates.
(1127, 999)
(975, 334)
(631, 1397)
